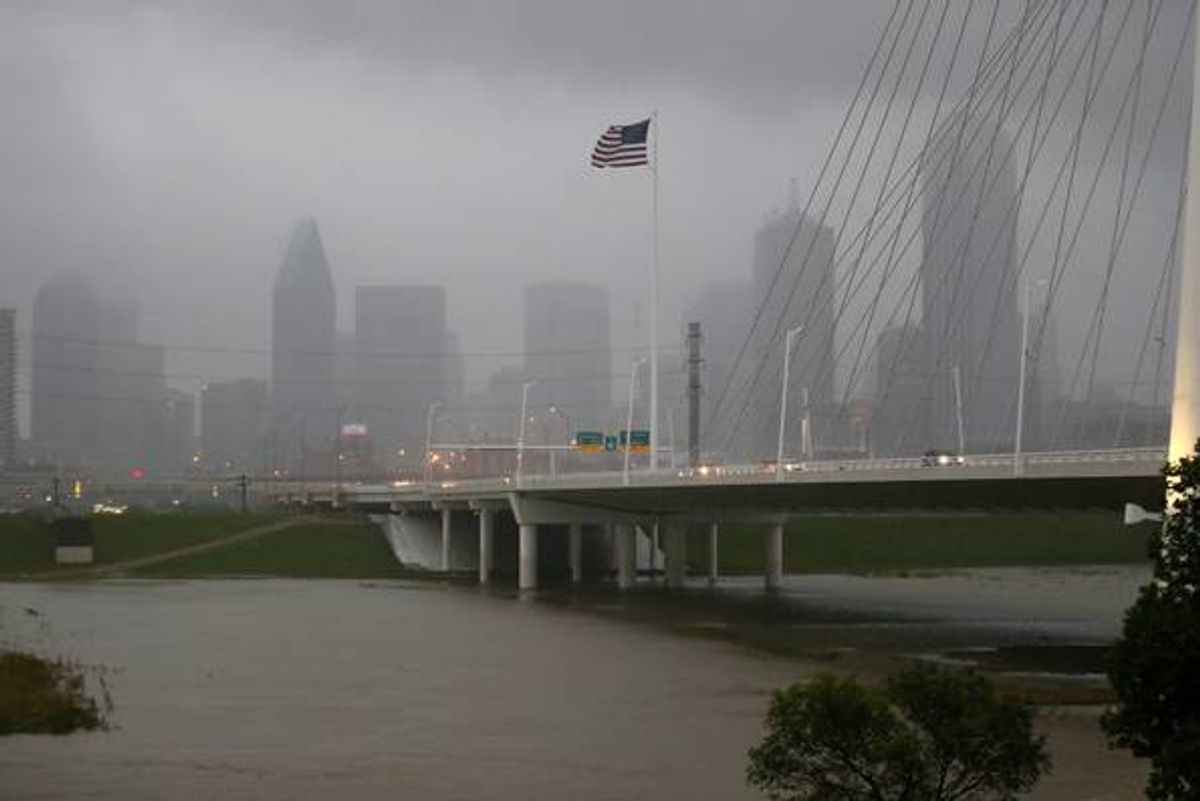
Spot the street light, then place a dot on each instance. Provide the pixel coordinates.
(557, 412)
(528, 385)
(1017, 466)
(629, 417)
(430, 411)
(787, 358)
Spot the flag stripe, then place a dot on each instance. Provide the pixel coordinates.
(622, 146)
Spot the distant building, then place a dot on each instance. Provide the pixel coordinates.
(8, 387)
(304, 341)
(793, 286)
(130, 389)
(568, 352)
(901, 393)
(64, 411)
(233, 419)
(970, 319)
(400, 346)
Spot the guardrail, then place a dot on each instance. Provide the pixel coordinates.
(979, 466)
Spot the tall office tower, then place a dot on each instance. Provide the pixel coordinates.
(233, 419)
(901, 393)
(8, 387)
(304, 341)
(801, 252)
(400, 344)
(64, 354)
(130, 386)
(968, 287)
(568, 352)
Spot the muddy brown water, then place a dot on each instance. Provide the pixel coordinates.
(311, 689)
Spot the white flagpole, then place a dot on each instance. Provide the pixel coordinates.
(654, 296)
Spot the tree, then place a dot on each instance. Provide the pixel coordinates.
(1154, 667)
(932, 734)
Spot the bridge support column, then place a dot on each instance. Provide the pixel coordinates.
(486, 518)
(773, 575)
(575, 551)
(714, 533)
(447, 524)
(675, 541)
(527, 557)
(626, 547)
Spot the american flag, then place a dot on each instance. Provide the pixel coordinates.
(622, 146)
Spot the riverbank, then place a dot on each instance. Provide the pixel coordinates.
(349, 546)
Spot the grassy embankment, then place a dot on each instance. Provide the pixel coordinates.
(874, 544)
(348, 547)
(333, 548)
(351, 547)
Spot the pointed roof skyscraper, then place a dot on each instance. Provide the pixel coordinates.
(303, 338)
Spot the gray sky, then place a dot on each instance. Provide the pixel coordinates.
(168, 147)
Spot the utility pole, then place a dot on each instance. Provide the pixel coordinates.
(693, 393)
(244, 486)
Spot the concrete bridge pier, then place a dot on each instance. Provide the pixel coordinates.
(527, 557)
(773, 574)
(675, 542)
(575, 551)
(486, 542)
(626, 552)
(714, 534)
(447, 528)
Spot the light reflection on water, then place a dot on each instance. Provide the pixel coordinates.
(263, 688)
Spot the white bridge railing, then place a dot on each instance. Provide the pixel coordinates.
(1135, 461)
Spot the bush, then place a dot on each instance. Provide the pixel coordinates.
(43, 696)
(1153, 666)
(933, 733)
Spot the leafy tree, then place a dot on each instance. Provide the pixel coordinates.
(1154, 666)
(932, 734)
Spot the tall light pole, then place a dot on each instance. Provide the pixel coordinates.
(958, 411)
(430, 412)
(528, 385)
(303, 456)
(783, 390)
(629, 417)
(557, 412)
(1018, 468)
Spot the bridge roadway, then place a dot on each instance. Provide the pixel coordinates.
(712, 495)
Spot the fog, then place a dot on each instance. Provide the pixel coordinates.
(166, 149)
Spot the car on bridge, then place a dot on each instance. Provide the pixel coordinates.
(935, 458)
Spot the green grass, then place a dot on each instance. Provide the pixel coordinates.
(26, 542)
(870, 544)
(335, 549)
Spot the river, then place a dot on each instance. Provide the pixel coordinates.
(311, 689)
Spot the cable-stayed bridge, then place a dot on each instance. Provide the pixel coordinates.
(985, 247)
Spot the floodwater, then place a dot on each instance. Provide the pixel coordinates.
(311, 689)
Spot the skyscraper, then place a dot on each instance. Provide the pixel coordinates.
(400, 346)
(304, 340)
(8, 387)
(968, 284)
(567, 351)
(233, 425)
(64, 374)
(801, 252)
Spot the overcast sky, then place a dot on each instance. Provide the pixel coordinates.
(166, 148)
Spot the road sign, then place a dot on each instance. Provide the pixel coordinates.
(610, 442)
(638, 439)
(589, 441)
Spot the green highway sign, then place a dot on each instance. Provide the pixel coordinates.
(589, 441)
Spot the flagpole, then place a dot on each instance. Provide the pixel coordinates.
(654, 270)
